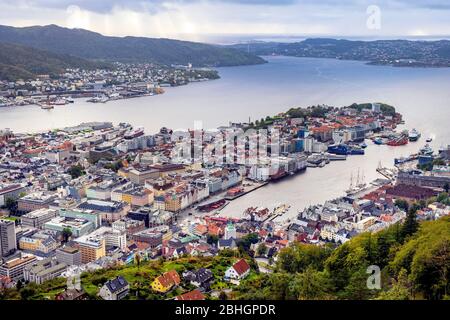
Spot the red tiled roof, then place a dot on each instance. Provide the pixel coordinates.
(193, 295)
(241, 266)
(173, 275)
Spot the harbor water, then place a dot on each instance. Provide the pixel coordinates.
(422, 95)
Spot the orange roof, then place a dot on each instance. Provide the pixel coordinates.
(193, 295)
(321, 129)
(214, 229)
(165, 281)
(173, 275)
(201, 228)
(283, 242)
(347, 121)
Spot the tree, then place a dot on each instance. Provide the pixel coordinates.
(400, 289)
(261, 250)
(299, 256)
(66, 233)
(137, 260)
(411, 225)
(446, 187)
(383, 248)
(246, 241)
(212, 239)
(76, 171)
(402, 204)
(357, 286)
(223, 295)
(11, 205)
(310, 285)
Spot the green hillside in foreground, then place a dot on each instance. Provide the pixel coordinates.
(413, 258)
(413, 266)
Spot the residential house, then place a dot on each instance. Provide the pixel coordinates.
(166, 281)
(192, 295)
(238, 271)
(115, 289)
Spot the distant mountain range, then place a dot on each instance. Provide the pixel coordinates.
(383, 52)
(93, 46)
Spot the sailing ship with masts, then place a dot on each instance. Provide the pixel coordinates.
(358, 185)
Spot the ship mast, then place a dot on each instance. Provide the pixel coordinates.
(351, 181)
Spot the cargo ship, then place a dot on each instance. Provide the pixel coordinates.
(281, 173)
(343, 149)
(398, 141)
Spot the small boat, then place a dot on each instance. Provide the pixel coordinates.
(414, 135)
(58, 102)
(378, 141)
(335, 157)
(426, 150)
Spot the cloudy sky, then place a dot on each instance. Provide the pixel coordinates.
(196, 19)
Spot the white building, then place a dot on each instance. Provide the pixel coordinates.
(238, 271)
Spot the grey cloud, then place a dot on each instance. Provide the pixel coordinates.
(154, 6)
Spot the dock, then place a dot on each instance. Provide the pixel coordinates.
(386, 172)
(247, 190)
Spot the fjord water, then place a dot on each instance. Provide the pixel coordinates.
(421, 95)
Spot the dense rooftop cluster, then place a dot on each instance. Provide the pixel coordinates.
(98, 195)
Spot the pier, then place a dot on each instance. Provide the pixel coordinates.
(388, 173)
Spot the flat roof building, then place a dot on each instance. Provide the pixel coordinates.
(69, 255)
(8, 241)
(91, 248)
(14, 267)
(37, 218)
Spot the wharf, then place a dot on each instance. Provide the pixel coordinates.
(247, 189)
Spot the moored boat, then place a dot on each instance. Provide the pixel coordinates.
(426, 150)
(398, 141)
(378, 141)
(414, 135)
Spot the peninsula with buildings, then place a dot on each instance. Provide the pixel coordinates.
(115, 213)
(119, 81)
(397, 53)
(51, 65)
